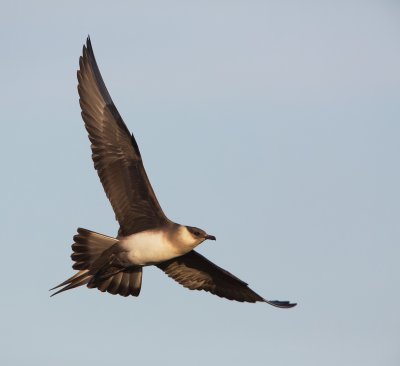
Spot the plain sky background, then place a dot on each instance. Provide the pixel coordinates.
(274, 125)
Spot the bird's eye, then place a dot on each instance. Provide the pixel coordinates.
(196, 233)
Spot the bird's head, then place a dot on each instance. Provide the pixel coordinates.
(199, 234)
(192, 236)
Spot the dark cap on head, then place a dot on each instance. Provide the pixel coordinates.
(200, 233)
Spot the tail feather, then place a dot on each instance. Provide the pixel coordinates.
(114, 285)
(124, 285)
(135, 282)
(74, 281)
(128, 282)
(101, 286)
(69, 280)
(88, 247)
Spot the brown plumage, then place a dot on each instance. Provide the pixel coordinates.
(196, 272)
(115, 153)
(88, 249)
(145, 235)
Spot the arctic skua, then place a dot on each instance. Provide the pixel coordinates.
(146, 236)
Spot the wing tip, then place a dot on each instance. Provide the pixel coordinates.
(87, 48)
(281, 304)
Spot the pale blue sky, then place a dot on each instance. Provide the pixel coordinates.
(274, 125)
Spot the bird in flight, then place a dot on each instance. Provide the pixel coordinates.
(146, 236)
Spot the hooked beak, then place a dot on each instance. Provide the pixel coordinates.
(211, 237)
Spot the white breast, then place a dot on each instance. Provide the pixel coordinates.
(149, 247)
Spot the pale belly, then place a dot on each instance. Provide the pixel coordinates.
(149, 247)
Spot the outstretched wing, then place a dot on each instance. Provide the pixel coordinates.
(115, 153)
(196, 272)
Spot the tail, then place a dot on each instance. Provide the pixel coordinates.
(87, 248)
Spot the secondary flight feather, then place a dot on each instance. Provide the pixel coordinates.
(146, 236)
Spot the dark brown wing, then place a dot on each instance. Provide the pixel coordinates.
(196, 272)
(115, 153)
